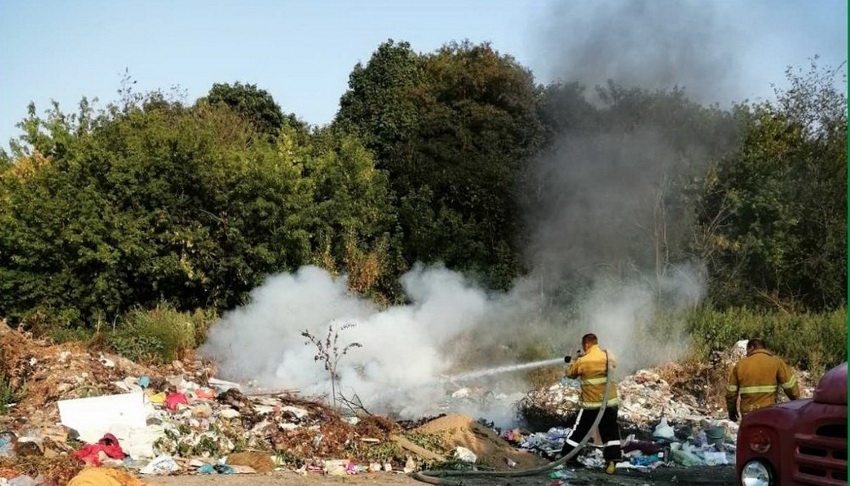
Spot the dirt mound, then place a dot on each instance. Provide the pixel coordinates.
(492, 450)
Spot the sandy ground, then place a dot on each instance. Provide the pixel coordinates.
(714, 476)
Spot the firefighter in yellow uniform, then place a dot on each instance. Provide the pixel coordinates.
(757, 379)
(592, 370)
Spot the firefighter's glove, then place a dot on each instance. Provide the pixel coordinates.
(733, 414)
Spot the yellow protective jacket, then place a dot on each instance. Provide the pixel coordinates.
(591, 370)
(758, 378)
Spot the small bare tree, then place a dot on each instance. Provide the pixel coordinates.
(329, 353)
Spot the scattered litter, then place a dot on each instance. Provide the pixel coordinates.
(25, 480)
(7, 444)
(161, 465)
(175, 419)
(564, 474)
(107, 447)
(173, 400)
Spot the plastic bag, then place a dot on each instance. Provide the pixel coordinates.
(162, 465)
(664, 431)
(465, 455)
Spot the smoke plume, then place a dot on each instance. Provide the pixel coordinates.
(610, 225)
(404, 352)
(652, 44)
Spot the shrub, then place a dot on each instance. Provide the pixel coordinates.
(61, 335)
(159, 335)
(815, 342)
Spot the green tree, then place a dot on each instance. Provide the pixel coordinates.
(773, 215)
(453, 129)
(353, 222)
(380, 104)
(255, 104)
(157, 202)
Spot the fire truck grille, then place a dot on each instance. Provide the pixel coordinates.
(821, 458)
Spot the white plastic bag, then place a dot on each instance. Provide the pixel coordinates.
(465, 455)
(162, 465)
(663, 430)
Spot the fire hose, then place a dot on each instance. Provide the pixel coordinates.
(436, 476)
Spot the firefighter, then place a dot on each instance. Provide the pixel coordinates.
(592, 369)
(757, 379)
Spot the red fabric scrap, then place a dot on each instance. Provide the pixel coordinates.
(108, 444)
(646, 447)
(174, 399)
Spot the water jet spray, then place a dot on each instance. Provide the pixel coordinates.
(502, 369)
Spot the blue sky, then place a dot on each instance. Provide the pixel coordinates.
(303, 51)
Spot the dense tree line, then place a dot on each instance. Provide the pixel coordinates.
(432, 157)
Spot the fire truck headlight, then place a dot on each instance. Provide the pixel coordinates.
(756, 473)
(759, 441)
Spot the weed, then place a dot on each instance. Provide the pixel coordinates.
(432, 442)
(329, 353)
(288, 459)
(9, 394)
(387, 451)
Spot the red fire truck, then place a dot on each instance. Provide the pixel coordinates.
(801, 442)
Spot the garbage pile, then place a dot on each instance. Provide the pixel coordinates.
(49, 373)
(101, 410)
(82, 408)
(687, 394)
(711, 444)
(549, 407)
(645, 398)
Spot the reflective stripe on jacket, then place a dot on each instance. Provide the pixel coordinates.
(757, 378)
(591, 370)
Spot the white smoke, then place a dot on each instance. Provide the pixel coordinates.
(404, 349)
(407, 351)
(625, 317)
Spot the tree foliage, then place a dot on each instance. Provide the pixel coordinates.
(774, 215)
(433, 157)
(453, 129)
(162, 202)
(254, 104)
